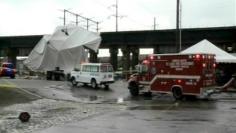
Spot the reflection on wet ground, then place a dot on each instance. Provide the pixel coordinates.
(179, 105)
(157, 102)
(116, 93)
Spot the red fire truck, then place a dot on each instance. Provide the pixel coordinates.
(177, 74)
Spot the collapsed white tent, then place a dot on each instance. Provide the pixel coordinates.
(205, 46)
(64, 49)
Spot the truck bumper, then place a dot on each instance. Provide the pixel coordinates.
(207, 91)
(106, 82)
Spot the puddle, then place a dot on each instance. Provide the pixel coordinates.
(93, 98)
(189, 120)
(88, 98)
(60, 110)
(153, 107)
(120, 100)
(99, 98)
(174, 106)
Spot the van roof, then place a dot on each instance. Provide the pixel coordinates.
(96, 64)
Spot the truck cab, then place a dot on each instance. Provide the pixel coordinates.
(94, 74)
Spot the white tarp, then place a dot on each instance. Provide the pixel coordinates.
(64, 49)
(205, 46)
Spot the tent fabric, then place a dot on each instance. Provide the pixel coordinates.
(64, 49)
(205, 46)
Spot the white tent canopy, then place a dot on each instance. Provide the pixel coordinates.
(64, 49)
(205, 46)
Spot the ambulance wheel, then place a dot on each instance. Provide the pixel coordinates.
(73, 81)
(94, 84)
(133, 89)
(148, 94)
(177, 93)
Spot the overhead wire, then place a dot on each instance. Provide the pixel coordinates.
(98, 2)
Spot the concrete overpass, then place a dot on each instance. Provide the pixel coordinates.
(163, 41)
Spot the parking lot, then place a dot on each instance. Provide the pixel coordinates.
(56, 106)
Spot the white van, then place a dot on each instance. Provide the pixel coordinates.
(94, 74)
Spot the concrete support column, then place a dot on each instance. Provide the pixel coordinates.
(114, 57)
(93, 56)
(1, 52)
(234, 47)
(11, 55)
(156, 50)
(135, 57)
(125, 58)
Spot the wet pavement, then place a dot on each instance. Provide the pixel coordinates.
(10, 96)
(57, 107)
(170, 117)
(46, 113)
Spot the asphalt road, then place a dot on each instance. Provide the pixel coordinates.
(57, 107)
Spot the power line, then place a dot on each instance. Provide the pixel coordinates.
(117, 15)
(144, 7)
(88, 20)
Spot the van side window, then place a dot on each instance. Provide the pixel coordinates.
(86, 68)
(106, 68)
(94, 69)
(110, 69)
(103, 68)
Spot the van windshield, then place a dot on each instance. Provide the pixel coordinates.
(106, 69)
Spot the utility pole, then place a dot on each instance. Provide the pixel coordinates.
(180, 26)
(76, 21)
(116, 6)
(116, 15)
(154, 25)
(87, 24)
(177, 27)
(64, 18)
(97, 26)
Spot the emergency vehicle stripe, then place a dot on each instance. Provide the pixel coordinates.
(173, 77)
(154, 79)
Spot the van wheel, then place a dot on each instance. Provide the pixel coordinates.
(73, 81)
(106, 87)
(94, 84)
(177, 93)
(85, 84)
(133, 89)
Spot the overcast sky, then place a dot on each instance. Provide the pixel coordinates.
(27, 17)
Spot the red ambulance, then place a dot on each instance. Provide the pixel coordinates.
(177, 74)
